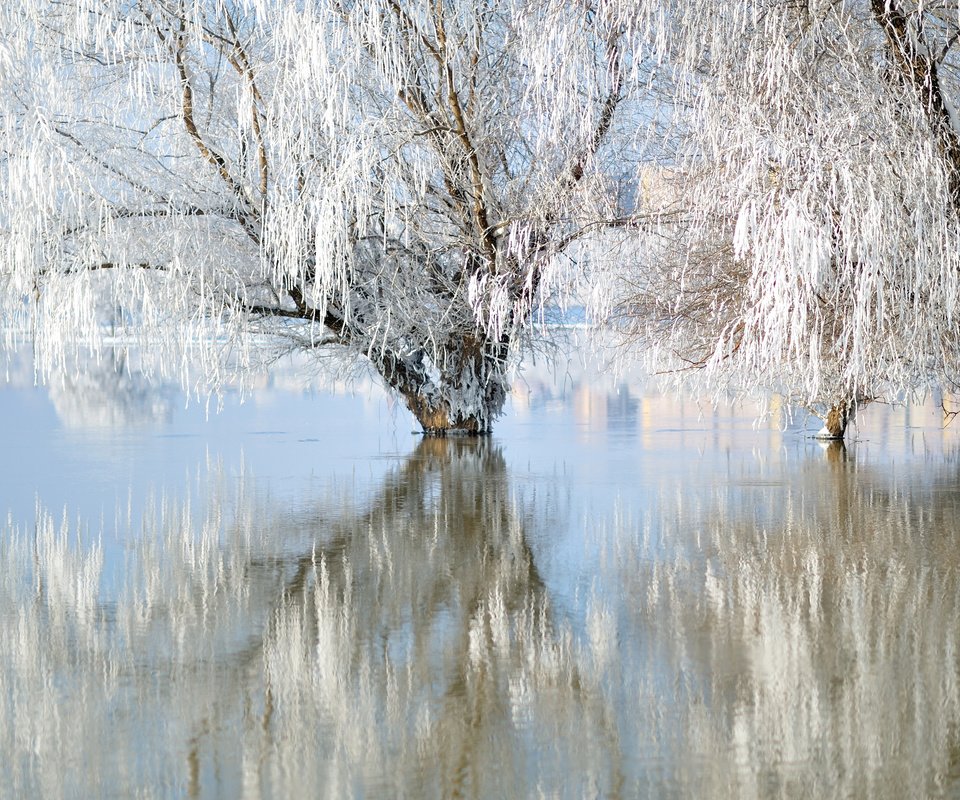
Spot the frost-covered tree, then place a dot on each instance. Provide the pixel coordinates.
(810, 218)
(404, 180)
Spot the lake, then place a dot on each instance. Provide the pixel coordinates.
(621, 593)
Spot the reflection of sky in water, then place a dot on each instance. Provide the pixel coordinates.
(59, 447)
(597, 442)
(621, 593)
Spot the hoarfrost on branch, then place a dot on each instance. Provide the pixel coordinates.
(403, 180)
(817, 182)
(762, 192)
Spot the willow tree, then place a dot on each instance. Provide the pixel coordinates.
(403, 181)
(810, 220)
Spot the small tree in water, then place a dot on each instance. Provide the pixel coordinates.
(406, 181)
(811, 238)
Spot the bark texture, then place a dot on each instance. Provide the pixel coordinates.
(461, 396)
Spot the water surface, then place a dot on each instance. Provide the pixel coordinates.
(620, 594)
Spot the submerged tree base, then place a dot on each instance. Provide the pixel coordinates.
(464, 401)
(835, 422)
(462, 433)
(825, 435)
(438, 421)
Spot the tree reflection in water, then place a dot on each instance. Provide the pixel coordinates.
(791, 638)
(408, 649)
(419, 638)
(813, 630)
(107, 392)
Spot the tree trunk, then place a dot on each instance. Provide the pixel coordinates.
(461, 396)
(835, 421)
(437, 418)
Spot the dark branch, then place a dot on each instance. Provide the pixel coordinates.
(918, 67)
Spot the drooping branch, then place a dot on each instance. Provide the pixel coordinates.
(920, 69)
(417, 183)
(410, 26)
(330, 318)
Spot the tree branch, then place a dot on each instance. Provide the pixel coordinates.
(476, 176)
(104, 164)
(919, 68)
(209, 154)
(614, 57)
(241, 63)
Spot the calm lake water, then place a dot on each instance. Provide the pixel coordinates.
(620, 594)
